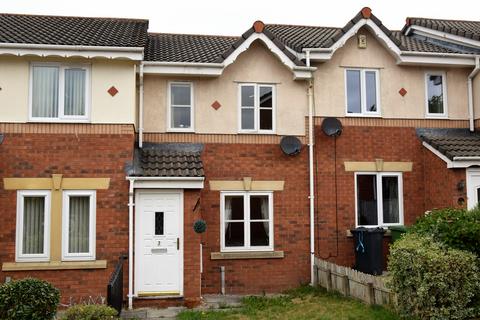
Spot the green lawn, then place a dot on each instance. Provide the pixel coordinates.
(303, 303)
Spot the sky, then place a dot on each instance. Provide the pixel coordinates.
(234, 17)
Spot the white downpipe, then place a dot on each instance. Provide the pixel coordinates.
(131, 205)
(471, 76)
(140, 107)
(310, 168)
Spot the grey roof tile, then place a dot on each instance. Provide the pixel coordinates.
(410, 43)
(466, 29)
(186, 47)
(452, 142)
(81, 31)
(168, 160)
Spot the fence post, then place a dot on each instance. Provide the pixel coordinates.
(370, 293)
(329, 279)
(346, 285)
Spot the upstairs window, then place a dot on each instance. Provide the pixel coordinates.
(257, 108)
(180, 106)
(436, 100)
(379, 199)
(59, 92)
(362, 92)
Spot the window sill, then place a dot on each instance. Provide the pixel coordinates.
(388, 233)
(54, 265)
(359, 115)
(33, 120)
(257, 132)
(439, 117)
(247, 255)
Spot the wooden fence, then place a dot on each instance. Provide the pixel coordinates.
(352, 283)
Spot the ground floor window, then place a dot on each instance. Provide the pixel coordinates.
(246, 221)
(78, 240)
(33, 225)
(379, 199)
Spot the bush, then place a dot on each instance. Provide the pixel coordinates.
(457, 228)
(28, 299)
(90, 312)
(433, 281)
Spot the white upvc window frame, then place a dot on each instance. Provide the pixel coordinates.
(19, 256)
(61, 92)
(443, 74)
(256, 107)
(246, 206)
(170, 127)
(379, 176)
(66, 256)
(363, 95)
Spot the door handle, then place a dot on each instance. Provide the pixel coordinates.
(178, 243)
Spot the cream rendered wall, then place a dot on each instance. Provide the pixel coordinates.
(257, 64)
(14, 84)
(476, 96)
(330, 83)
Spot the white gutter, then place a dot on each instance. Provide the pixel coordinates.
(140, 107)
(131, 205)
(471, 76)
(166, 178)
(310, 169)
(183, 64)
(69, 47)
(466, 158)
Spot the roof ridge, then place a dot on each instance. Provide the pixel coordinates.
(75, 17)
(300, 25)
(193, 34)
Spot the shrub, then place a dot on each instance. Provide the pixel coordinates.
(90, 312)
(28, 299)
(433, 281)
(457, 228)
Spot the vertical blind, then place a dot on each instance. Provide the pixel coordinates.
(45, 92)
(74, 92)
(79, 224)
(33, 225)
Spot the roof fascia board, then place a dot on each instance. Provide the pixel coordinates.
(44, 50)
(445, 36)
(167, 182)
(193, 69)
(451, 164)
(435, 59)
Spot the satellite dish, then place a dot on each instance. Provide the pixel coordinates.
(332, 127)
(290, 145)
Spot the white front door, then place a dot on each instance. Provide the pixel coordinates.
(159, 243)
(473, 187)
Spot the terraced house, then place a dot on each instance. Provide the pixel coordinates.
(117, 142)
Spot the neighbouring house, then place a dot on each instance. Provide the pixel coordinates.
(117, 142)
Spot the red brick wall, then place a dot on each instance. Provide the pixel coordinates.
(291, 218)
(441, 184)
(82, 155)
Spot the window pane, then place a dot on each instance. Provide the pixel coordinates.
(353, 92)
(371, 94)
(79, 224)
(159, 218)
(45, 92)
(181, 117)
(266, 97)
(367, 200)
(33, 225)
(248, 119)
(75, 92)
(234, 234)
(266, 122)
(390, 200)
(259, 235)
(181, 94)
(248, 96)
(234, 209)
(259, 208)
(435, 94)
